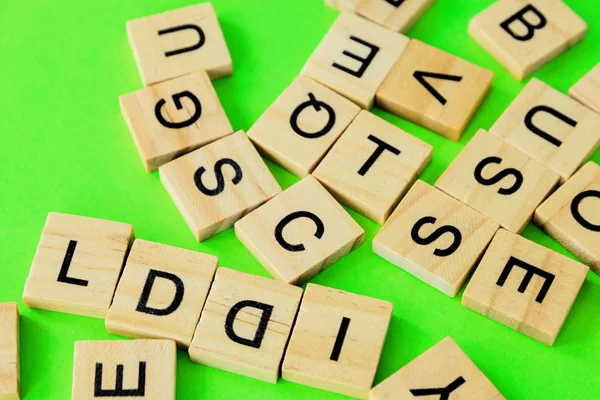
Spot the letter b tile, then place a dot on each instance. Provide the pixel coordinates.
(245, 324)
(525, 286)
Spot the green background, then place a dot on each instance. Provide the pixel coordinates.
(65, 147)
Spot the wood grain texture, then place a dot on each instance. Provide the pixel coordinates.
(96, 261)
(373, 189)
(587, 89)
(220, 205)
(399, 16)
(212, 346)
(9, 352)
(319, 241)
(308, 359)
(507, 289)
(561, 30)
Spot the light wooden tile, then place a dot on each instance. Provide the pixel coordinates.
(172, 118)
(246, 324)
(442, 372)
(498, 180)
(372, 166)
(524, 35)
(218, 184)
(550, 127)
(161, 293)
(337, 341)
(435, 237)
(9, 352)
(587, 89)
(114, 369)
(299, 233)
(525, 286)
(572, 215)
(354, 57)
(342, 5)
(77, 265)
(178, 42)
(301, 125)
(434, 89)
(397, 15)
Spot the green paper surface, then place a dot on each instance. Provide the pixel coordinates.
(64, 147)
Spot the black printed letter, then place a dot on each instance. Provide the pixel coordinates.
(520, 16)
(177, 100)
(577, 215)
(64, 269)
(364, 62)
(499, 176)
(289, 218)
(444, 393)
(119, 391)
(266, 309)
(195, 28)
(171, 308)
(529, 123)
(339, 340)
(395, 3)
(316, 104)
(237, 178)
(531, 270)
(423, 241)
(420, 76)
(381, 147)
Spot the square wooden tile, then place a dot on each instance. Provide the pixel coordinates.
(571, 215)
(141, 369)
(525, 286)
(342, 5)
(161, 292)
(550, 127)
(434, 89)
(498, 180)
(587, 89)
(354, 57)
(218, 184)
(397, 15)
(372, 166)
(172, 118)
(444, 371)
(337, 341)
(246, 324)
(77, 265)
(178, 42)
(525, 35)
(299, 233)
(298, 129)
(9, 352)
(435, 237)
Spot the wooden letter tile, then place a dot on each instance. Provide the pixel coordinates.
(525, 286)
(572, 215)
(246, 324)
(9, 351)
(525, 35)
(337, 341)
(161, 292)
(587, 89)
(301, 125)
(442, 372)
(550, 127)
(354, 57)
(77, 265)
(299, 233)
(498, 180)
(115, 369)
(218, 184)
(178, 42)
(434, 89)
(174, 117)
(372, 166)
(435, 237)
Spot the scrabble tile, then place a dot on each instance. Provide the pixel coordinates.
(142, 369)
(572, 217)
(246, 324)
(354, 57)
(498, 180)
(77, 265)
(372, 166)
(434, 89)
(9, 351)
(442, 372)
(587, 89)
(337, 341)
(525, 35)
(435, 237)
(178, 42)
(217, 184)
(161, 292)
(525, 286)
(299, 233)
(550, 127)
(172, 118)
(301, 125)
